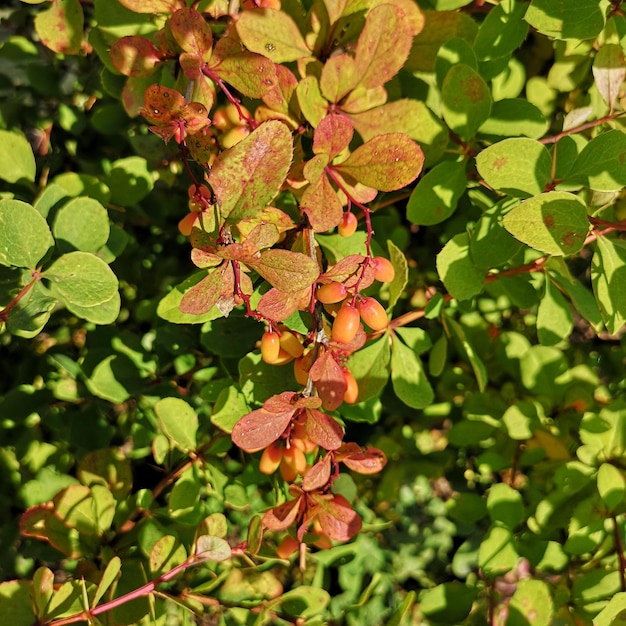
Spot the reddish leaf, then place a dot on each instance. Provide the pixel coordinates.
(366, 460)
(283, 516)
(318, 476)
(278, 305)
(251, 74)
(329, 381)
(202, 297)
(152, 6)
(60, 27)
(361, 100)
(383, 46)
(401, 116)
(337, 518)
(286, 270)
(259, 428)
(332, 135)
(321, 205)
(269, 216)
(134, 56)
(248, 176)
(323, 429)
(192, 33)
(203, 147)
(386, 162)
(338, 77)
(349, 270)
(280, 96)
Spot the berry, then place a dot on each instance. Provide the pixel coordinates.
(233, 136)
(329, 293)
(186, 225)
(293, 463)
(352, 388)
(270, 347)
(270, 459)
(384, 271)
(373, 314)
(291, 344)
(346, 324)
(287, 547)
(348, 224)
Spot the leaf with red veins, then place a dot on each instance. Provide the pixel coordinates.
(248, 176)
(337, 518)
(152, 6)
(191, 65)
(192, 33)
(134, 56)
(332, 135)
(245, 252)
(329, 381)
(249, 73)
(383, 46)
(278, 305)
(312, 104)
(308, 402)
(287, 271)
(284, 515)
(364, 460)
(386, 162)
(338, 77)
(413, 15)
(323, 430)
(321, 205)
(202, 297)
(258, 429)
(354, 189)
(317, 477)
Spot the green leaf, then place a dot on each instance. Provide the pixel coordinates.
(465, 100)
(554, 317)
(401, 277)
(502, 31)
(519, 166)
(497, 554)
(24, 234)
(60, 28)
(613, 614)
(436, 195)
(505, 506)
(370, 367)
(130, 180)
(512, 117)
(229, 408)
(448, 603)
(81, 224)
(611, 485)
(84, 185)
(303, 602)
(458, 334)
(246, 177)
(212, 548)
(32, 312)
(386, 162)
(178, 421)
(609, 72)
(408, 378)
(582, 19)
(110, 574)
(600, 165)
(554, 222)
(457, 270)
(608, 276)
(115, 379)
(166, 553)
(17, 161)
(86, 285)
(16, 602)
(531, 604)
(521, 420)
(273, 34)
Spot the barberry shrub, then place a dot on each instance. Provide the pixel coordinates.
(312, 312)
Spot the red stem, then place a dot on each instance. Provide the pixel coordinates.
(36, 277)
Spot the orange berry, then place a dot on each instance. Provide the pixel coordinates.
(271, 458)
(373, 314)
(233, 136)
(270, 347)
(294, 457)
(283, 358)
(287, 547)
(351, 394)
(346, 324)
(291, 344)
(185, 226)
(300, 372)
(220, 120)
(384, 271)
(348, 224)
(329, 293)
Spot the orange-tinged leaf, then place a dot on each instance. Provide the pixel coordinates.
(383, 46)
(287, 271)
(278, 305)
(60, 27)
(400, 116)
(386, 162)
(336, 517)
(318, 476)
(192, 33)
(338, 77)
(321, 204)
(332, 135)
(152, 6)
(134, 56)
(282, 516)
(323, 429)
(203, 296)
(329, 381)
(364, 460)
(246, 177)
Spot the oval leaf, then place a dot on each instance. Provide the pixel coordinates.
(178, 422)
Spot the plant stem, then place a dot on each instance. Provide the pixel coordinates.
(36, 276)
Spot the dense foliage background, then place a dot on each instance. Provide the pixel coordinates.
(489, 170)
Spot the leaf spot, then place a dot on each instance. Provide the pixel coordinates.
(270, 47)
(548, 220)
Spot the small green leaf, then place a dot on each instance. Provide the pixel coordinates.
(43, 580)
(521, 420)
(512, 117)
(166, 553)
(408, 378)
(611, 485)
(229, 408)
(273, 34)
(82, 224)
(130, 180)
(111, 572)
(178, 421)
(370, 367)
(457, 270)
(458, 334)
(614, 613)
(212, 548)
(466, 100)
(505, 505)
(519, 166)
(304, 602)
(497, 554)
(502, 31)
(448, 603)
(401, 277)
(531, 604)
(17, 161)
(436, 195)
(24, 234)
(16, 603)
(115, 379)
(61, 26)
(554, 222)
(86, 285)
(608, 276)
(582, 19)
(554, 317)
